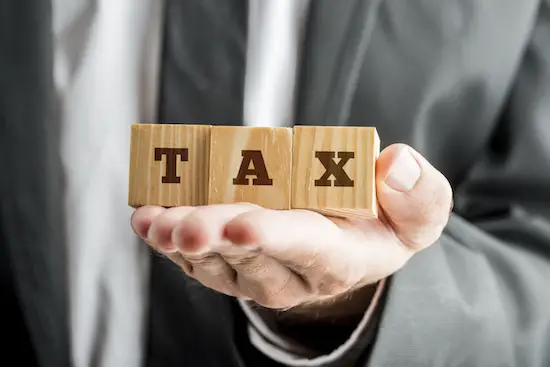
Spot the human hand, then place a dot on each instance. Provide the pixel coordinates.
(285, 259)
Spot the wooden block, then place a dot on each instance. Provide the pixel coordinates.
(251, 164)
(333, 170)
(169, 165)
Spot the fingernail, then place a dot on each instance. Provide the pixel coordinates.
(404, 173)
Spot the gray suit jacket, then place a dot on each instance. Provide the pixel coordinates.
(465, 82)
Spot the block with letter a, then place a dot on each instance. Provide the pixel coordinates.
(169, 165)
(333, 170)
(250, 164)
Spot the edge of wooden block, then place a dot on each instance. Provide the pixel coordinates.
(133, 132)
(376, 154)
(346, 213)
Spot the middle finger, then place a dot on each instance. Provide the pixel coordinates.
(200, 232)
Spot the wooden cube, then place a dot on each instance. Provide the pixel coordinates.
(169, 165)
(333, 170)
(251, 164)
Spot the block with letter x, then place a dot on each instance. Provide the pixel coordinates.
(330, 170)
(333, 170)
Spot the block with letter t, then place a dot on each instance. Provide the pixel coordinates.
(333, 170)
(250, 164)
(169, 165)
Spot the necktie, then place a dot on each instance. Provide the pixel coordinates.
(203, 62)
(201, 82)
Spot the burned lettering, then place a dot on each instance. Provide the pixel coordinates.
(171, 154)
(258, 169)
(341, 178)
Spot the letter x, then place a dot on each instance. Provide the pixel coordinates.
(332, 168)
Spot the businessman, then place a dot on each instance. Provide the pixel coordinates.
(454, 271)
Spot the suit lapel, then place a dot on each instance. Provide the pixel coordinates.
(31, 201)
(337, 36)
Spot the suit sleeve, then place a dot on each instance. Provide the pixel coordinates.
(481, 295)
(320, 345)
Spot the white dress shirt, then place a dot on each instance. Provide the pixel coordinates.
(106, 68)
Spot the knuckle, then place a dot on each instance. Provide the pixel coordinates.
(445, 198)
(201, 260)
(268, 299)
(263, 294)
(253, 269)
(248, 264)
(434, 198)
(331, 285)
(426, 212)
(435, 210)
(240, 259)
(181, 262)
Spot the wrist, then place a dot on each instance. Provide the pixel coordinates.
(347, 308)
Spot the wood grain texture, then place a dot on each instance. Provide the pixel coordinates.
(234, 150)
(333, 170)
(175, 154)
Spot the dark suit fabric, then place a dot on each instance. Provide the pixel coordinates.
(31, 201)
(468, 85)
(465, 82)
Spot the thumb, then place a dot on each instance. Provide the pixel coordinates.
(415, 198)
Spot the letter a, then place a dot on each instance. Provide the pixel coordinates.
(259, 169)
